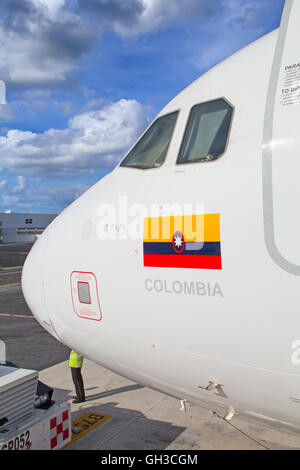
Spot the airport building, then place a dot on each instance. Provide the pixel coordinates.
(23, 228)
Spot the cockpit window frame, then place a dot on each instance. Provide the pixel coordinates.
(178, 111)
(186, 128)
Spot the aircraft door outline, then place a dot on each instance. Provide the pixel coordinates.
(85, 295)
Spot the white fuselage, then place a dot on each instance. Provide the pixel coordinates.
(173, 329)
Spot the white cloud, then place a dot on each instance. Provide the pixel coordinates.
(41, 42)
(239, 23)
(135, 17)
(53, 7)
(6, 112)
(25, 197)
(94, 139)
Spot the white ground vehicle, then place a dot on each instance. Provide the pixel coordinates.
(23, 426)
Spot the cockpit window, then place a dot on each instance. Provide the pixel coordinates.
(207, 132)
(151, 149)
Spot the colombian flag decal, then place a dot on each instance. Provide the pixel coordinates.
(189, 241)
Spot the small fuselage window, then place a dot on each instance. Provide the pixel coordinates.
(151, 150)
(207, 132)
(84, 292)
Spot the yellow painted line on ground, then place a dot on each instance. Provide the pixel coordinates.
(84, 424)
(10, 267)
(10, 285)
(15, 252)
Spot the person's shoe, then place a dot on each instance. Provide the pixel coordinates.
(78, 400)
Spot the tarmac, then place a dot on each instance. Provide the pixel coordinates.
(12, 255)
(117, 414)
(138, 418)
(28, 345)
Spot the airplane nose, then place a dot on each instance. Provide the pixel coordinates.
(33, 285)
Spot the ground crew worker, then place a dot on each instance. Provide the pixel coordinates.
(75, 362)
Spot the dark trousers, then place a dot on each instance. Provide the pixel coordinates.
(78, 382)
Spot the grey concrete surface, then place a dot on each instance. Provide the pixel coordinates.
(149, 420)
(10, 276)
(13, 254)
(12, 301)
(28, 345)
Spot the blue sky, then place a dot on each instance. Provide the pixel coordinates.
(85, 77)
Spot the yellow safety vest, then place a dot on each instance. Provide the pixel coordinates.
(75, 360)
